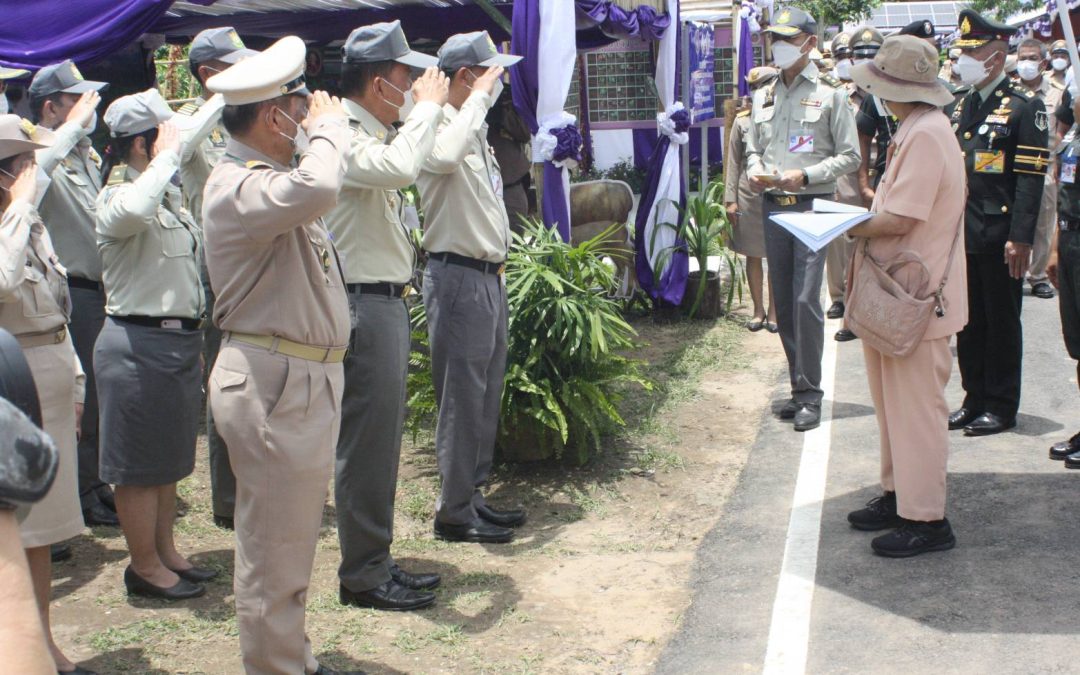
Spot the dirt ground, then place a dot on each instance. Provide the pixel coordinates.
(596, 581)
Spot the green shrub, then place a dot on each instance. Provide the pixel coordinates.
(565, 368)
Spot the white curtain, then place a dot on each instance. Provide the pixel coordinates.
(667, 193)
(558, 44)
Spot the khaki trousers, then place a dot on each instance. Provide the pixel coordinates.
(912, 414)
(1045, 228)
(279, 417)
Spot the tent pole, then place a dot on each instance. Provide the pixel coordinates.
(495, 14)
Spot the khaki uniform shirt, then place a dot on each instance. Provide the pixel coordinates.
(272, 265)
(847, 186)
(68, 205)
(34, 296)
(149, 244)
(808, 126)
(367, 222)
(461, 187)
(1050, 93)
(204, 142)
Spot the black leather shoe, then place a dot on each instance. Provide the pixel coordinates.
(808, 417)
(478, 531)
(417, 582)
(182, 590)
(224, 522)
(1042, 290)
(390, 596)
(1073, 461)
(198, 575)
(1061, 450)
(100, 515)
(836, 311)
(789, 410)
(988, 424)
(511, 518)
(915, 537)
(961, 418)
(60, 552)
(323, 670)
(879, 514)
(844, 335)
(106, 496)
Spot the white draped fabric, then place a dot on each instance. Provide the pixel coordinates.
(558, 43)
(665, 209)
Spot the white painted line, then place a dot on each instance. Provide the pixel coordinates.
(789, 632)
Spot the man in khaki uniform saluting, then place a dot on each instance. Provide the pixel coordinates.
(62, 101)
(212, 51)
(378, 260)
(467, 236)
(281, 305)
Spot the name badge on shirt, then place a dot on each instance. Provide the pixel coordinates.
(989, 161)
(1068, 167)
(496, 183)
(801, 143)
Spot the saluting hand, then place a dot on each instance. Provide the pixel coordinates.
(83, 110)
(486, 82)
(1017, 257)
(25, 186)
(321, 104)
(432, 86)
(168, 138)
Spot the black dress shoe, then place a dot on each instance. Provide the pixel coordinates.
(417, 582)
(323, 670)
(808, 417)
(1059, 451)
(478, 531)
(198, 575)
(879, 514)
(224, 522)
(511, 518)
(1042, 290)
(914, 537)
(988, 424)
(60, 552)
(836, 310)
(390, 596)
(789, 410)
(961, 418)
(1073, 461)
(100, 515)
(844, 335)
(106, 496)
(181, 590)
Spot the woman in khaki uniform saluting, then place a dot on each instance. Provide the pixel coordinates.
(35, 308)
(147, 355)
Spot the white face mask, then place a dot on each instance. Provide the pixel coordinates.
(407, 104)
(970, 69)
(1059, 64)
(42, 181)
(1028, 70)
(843, 69)
(786, 54)
(300, 140)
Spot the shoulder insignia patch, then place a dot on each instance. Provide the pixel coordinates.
(188, 109)
(1056, 85)
(257, 164)
(830, 80)
(744, 113)
(118, 175)
(95, 157)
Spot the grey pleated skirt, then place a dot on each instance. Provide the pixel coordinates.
(150, 400)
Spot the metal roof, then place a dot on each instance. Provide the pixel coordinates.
(890, 16)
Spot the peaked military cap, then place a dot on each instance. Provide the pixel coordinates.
(473, 49)
(383, 42)
(62, 77)
(792, 21)
(276, 71)
(219, 44)
(923, 28)
(976, 30)
(840, 44)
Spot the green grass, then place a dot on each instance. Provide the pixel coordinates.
(148, 631)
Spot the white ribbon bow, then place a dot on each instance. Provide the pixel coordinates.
(544, 142)
(667, 127)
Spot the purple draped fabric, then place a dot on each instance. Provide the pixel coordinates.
(620, 23)
(645, 141)
(746, 56)
(672, 283)
(36, 34)
(525, 85)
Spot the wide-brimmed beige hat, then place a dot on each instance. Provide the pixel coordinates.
(904, 70)
(18, 136)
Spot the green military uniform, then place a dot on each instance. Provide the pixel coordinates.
(1068, 204)
(1002, 130)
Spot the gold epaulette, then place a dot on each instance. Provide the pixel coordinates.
(118, 175)
(743, 113)
(257, 164)
(1020, 90)
(1031, 159)
(188, 109)
(830, 80)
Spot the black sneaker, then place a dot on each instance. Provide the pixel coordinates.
(1059, 451)
(879, 514)
(914, 537)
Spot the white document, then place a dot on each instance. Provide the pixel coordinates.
(816, 229)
